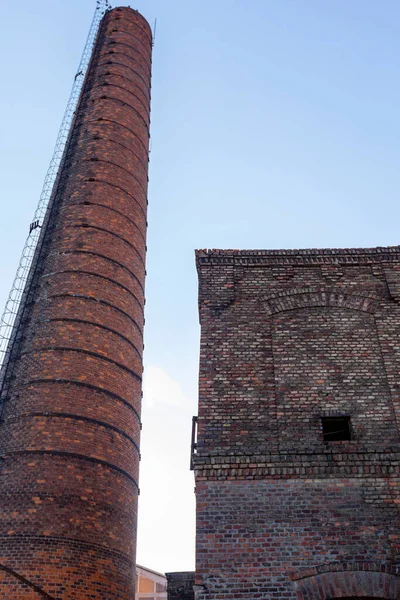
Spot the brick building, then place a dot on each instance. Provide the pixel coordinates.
(180, 585)
(297, 455)
(150, 585)
(71, 395)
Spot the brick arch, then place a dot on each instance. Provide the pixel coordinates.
(353, 585)
(319, 296)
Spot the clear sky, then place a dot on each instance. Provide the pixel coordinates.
(275, 124)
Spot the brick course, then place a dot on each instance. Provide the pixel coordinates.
(289, 337)
(70, 429)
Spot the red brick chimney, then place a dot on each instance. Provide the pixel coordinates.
(70, 430)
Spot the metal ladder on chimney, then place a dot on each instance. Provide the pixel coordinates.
(14, 305)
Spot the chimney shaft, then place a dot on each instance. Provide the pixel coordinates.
(70, 433)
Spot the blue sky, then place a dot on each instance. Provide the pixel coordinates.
(275, 124)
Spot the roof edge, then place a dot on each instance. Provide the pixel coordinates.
(297, 256)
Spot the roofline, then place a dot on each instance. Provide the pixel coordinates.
(150, 570)
(297, 257)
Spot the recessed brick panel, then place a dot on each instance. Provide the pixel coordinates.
(328, 361)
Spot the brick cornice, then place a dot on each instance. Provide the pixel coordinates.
(298, 466)
(312, 256)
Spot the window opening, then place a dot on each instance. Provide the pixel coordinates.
(335, 429)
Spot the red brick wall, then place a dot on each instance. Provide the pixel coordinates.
(70, 433)
(289, 337)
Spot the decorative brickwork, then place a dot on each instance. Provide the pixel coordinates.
(290, 338)
(70, 430)
(364, 581)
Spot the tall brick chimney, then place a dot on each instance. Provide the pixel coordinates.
(70, 428)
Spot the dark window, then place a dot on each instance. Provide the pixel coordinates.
(335, 429)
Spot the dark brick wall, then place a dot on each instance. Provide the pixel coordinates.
(289, 337)
(180, 585)
(69, 438)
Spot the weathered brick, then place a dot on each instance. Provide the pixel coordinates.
(70, 432)
(289, 337)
